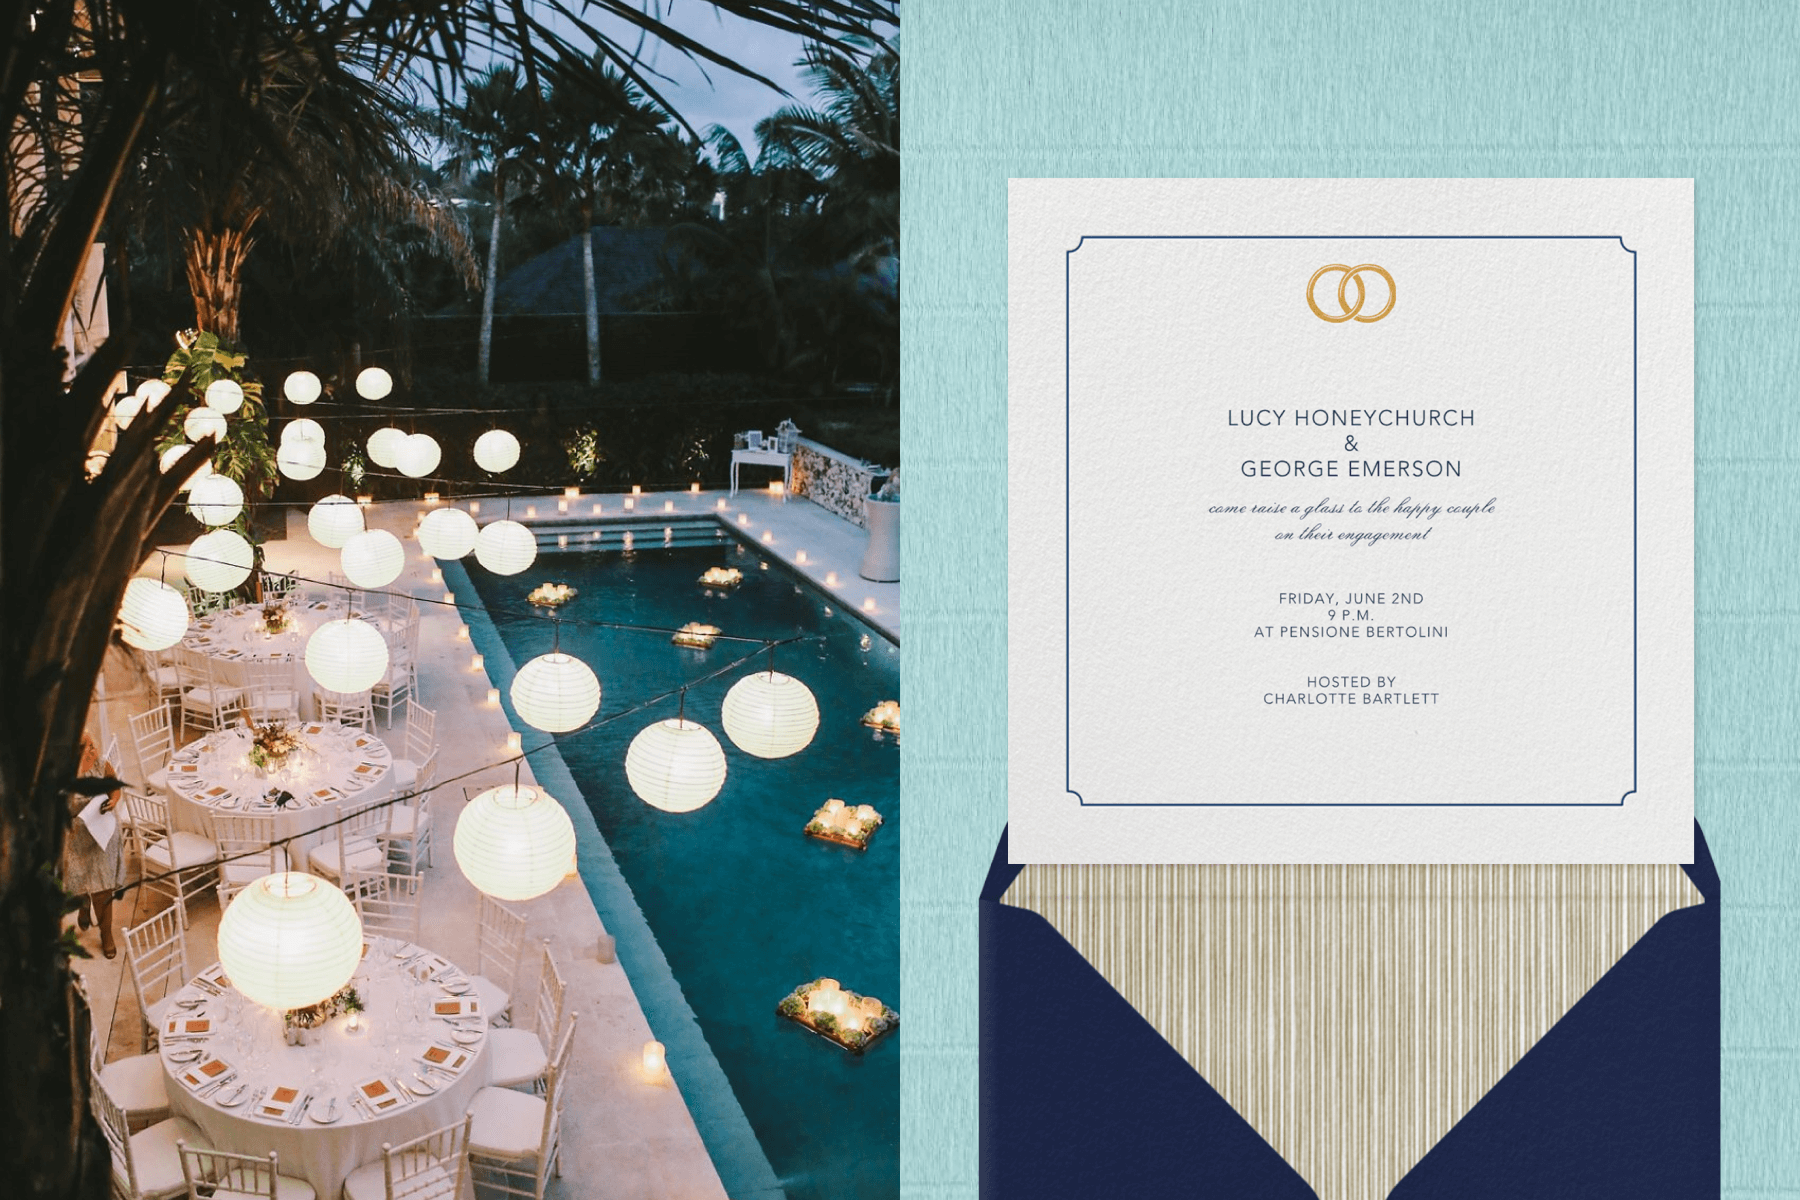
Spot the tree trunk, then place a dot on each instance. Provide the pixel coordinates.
(493, 280)
(589, 298)
(215, 273)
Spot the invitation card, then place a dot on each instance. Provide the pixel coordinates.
(1351, 521)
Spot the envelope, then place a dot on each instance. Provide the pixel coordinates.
(1082, 1096)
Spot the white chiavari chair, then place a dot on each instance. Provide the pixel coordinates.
(350, 708)
(156, 955)
(165, 679)
(277, 586)
(411, 835)
(432, 1166)
(520, 1057)
(251, 835)
(175, 863)
(390, 905)
(500, 941)
(417, 744)
(136, 1083)
(209, 700)
(515, 1139)
(354, 848)
(226, 1175)
(269, 693)
(145, 1165)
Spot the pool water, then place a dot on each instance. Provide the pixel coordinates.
(744, 906)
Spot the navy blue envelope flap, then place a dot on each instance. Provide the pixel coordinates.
(1081, 1097)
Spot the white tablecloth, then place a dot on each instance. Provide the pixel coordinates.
(401, 1027)
(337, 763)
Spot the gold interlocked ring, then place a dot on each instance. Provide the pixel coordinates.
(1351, 275)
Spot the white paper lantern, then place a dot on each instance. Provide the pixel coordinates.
(302, 387)
(300, 460)
(175, 454)
(384, 446)
(154, 392)
(373, 383)
(126, 408)
(505, 547)
(496, 451)
(219, 561)
(303, 429)
(770, 715)
(346, 655)
(224, 395)
(153, 615)
(202, 421)
(675, 765)
(556, 693)
(290, 940)
(419, 456)
(514, 842)
(447, 533)
(215, 500)
(373, 559)
(334, 520)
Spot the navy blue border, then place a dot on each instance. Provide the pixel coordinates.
(1068, 526)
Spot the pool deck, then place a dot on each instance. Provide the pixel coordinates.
(624, 1137)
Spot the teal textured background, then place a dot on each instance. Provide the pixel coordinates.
(1368, 88)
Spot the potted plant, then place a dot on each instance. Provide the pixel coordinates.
(881, 513)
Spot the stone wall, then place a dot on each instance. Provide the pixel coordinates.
(831, 480)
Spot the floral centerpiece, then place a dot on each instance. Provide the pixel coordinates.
(884, 717)
(276, 618)
(851, 1021)
(551, 595)
(696, 635)
(298, 1024)
(721, 577)
(271, 744)
(846, 825)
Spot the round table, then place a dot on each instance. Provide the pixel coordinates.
(243, 1043)
(336, 763)
(235, 637)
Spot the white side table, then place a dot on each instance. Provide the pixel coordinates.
(767, 458)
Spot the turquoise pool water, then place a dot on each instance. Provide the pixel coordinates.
(743, 906)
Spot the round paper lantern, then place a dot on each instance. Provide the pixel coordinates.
(514, 842)
(224, 395)
(175, 454)
(215, 500)
(302, 387)
(384, 446)
(219, 561)
(202, 422)
(300, 460)
(126, 408)
(496, 451)
(675, 765)
(556, 693)
(448, 533)
(289, 940)
(419, 456)
(153, 615)
(346, 655)
(372, 383)
(373, 559)
(334, 520)
(505, 547)
(154, 392)
(770, 715)
(304, 429)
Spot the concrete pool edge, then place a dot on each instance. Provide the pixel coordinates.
(737, 1154)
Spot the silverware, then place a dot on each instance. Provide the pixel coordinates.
(209, 1088)
(299, 1110)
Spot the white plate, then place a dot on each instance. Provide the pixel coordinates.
(185, 1056)
(232, 1097)
(421, 1085)
(466, 1037)
(326, 1113)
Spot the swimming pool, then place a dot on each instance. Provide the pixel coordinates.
(743, 906)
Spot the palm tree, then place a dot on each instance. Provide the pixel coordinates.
(608, 148)
(85, 87)
(495, 127)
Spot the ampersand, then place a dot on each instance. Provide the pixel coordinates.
(1349, 443)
